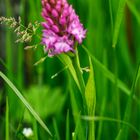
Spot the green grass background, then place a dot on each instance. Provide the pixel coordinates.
(113, 43)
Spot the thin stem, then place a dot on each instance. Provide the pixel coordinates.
(7, 120)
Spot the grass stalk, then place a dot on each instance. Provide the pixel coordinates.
(9, 50)
(104, 98)
(79, 128)
(20, 54)
(78, 70)
(68, 126)
(35, 128)
(119, 17)
(111, 16)
(7, 120)
(8, 40)
(116, 91)
(108, 119)
(56, 129)
(33, 16)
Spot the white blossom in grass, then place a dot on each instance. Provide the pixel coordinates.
(27, 132)
(73, 134)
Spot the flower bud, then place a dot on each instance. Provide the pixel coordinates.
(62, 27)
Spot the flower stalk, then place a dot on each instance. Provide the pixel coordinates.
(76, 64)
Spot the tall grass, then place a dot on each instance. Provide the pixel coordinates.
(112, 43)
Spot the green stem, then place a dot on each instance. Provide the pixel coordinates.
(76, 65)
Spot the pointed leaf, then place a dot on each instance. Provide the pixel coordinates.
(67, 62)
(90, 94)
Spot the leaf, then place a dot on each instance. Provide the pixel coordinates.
(25, 102)
(67, 62)
(90, 94)
(90, 91)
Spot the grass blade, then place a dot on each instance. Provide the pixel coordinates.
(35, 128)
(24, 101)
(104, 99)
(56, 129)
(118, 21)
(123, 133)
(111, 16)
(133, 10)
(108, 119)
(8, 41)
(7, 120)
(116, 97)
(79, 130)
(107, 73)
(68, 126)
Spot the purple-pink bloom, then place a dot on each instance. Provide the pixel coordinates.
(62, 27)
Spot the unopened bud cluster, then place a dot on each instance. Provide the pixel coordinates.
(62, 27)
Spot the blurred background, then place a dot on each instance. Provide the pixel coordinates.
(50, 97)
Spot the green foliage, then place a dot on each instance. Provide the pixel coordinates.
(55, 88)
(127, 114)
(45, 100)
(118, 21)
(28, 106)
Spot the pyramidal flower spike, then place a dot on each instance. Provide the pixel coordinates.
(62, 27)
